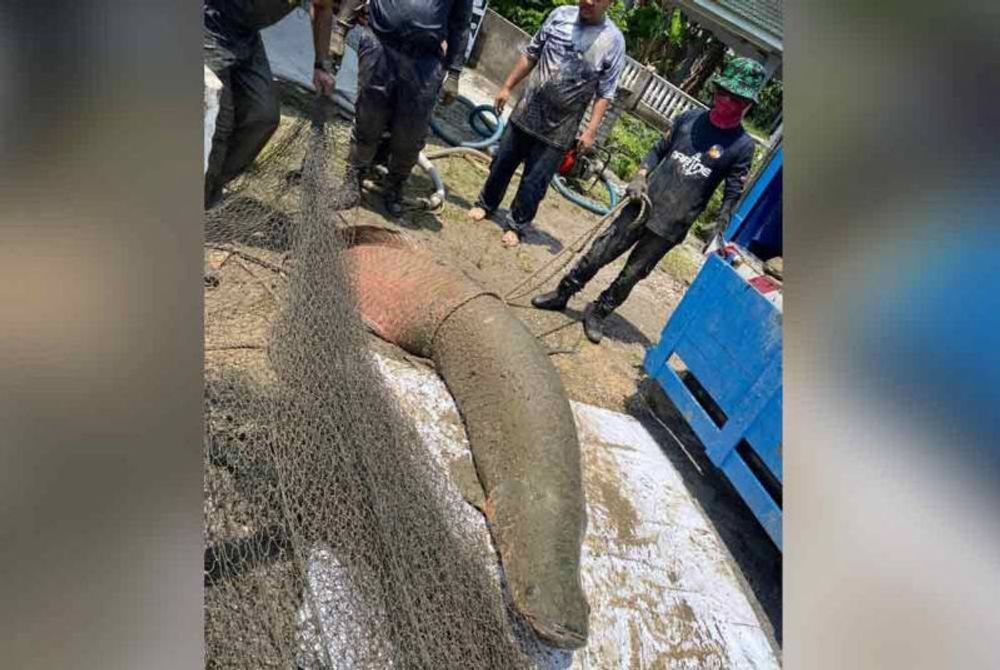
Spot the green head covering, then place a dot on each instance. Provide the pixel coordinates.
(744, 77)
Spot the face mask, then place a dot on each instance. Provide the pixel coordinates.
(727, 110)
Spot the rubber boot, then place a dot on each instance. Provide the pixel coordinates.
(557, 300)
(394, 197)
(593, 320)
(213, 193)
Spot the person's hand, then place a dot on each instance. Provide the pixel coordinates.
(323, 81)
(501, 100)
(449, 91)
(586, 141)
(638, 187)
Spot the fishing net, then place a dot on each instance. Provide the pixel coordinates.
(331, 539)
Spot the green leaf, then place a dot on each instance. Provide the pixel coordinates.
(676, 31)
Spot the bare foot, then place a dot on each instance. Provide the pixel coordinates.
(476, 214)
(510, 239)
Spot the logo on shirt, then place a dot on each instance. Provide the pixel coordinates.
(714, 152)
(692, 165)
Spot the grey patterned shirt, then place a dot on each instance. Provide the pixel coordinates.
(575, 61)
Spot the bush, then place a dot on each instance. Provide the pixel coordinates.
(527, 15)
(630, 141)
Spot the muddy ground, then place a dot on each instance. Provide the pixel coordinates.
(238, 313)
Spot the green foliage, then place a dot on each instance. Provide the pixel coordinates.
(641, 25)
(677, 28)
(630, 141)
(528, 15)
(617, 13)
(763, 114)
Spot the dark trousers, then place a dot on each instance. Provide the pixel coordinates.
(397, 92)
(248, 113)
(540, 160)
(625, 233)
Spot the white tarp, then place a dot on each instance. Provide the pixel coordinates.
(662, 591)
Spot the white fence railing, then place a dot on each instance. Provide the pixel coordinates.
(631, 73)
(655, 98)
(646, 95)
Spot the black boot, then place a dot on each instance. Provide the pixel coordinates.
(556, 300)
(394, 198)
(593, 320)
(394, 201)
(213, 193)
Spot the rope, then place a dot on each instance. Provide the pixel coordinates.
(576, 246)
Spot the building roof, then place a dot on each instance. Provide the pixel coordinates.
(760, 22)
(767, 14)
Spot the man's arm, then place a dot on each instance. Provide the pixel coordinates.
(322, 26)
(589, 135)
(606, 89)
(735, 182)
(525, 63)
(662, 146)
(458, 34)
(522, 68)
(656, 153)
(638, 187)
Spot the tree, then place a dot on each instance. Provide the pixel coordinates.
(527, 14)
(704, 66)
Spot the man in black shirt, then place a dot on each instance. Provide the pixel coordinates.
(702, 150)
(405, 52)
(248, 107)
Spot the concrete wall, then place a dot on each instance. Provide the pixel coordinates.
(497, 48)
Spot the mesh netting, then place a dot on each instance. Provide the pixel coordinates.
(332, 541)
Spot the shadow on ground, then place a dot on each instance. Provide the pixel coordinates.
(759, 561)
(616, 326)
(273, 234)
(533, 236)
(537, 237)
